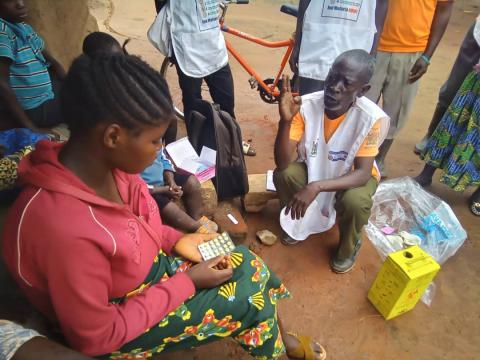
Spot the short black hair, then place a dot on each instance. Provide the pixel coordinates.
(99, 42)
(114, 87)
(365, 61)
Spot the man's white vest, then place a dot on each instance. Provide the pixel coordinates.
(332, 27)
(330, 160)
(197, 40)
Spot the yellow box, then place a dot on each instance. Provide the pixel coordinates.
(402, 279)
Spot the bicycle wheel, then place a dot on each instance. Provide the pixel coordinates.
(169, 73)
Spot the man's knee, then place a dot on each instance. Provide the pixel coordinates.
(356, 201)
(295, 173)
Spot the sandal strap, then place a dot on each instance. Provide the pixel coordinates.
(203, 230)
(209, 224)
(304, 349)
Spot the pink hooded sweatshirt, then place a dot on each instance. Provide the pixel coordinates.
(72, 251)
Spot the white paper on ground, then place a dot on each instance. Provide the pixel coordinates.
(232, 219)
(270, 184)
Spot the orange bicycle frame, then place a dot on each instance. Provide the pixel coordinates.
(270, 44)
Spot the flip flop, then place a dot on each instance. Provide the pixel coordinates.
(208, 224)
(204, 230)
(304, 350)
(248, 149)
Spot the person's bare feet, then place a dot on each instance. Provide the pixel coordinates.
(423, 179)
(292, 343)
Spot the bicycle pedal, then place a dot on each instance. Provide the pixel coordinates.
(253, 82)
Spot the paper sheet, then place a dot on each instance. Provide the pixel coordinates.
(270, 184)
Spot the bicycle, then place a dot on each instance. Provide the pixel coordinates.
(269, 88)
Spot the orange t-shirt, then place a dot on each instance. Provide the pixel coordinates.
(370, 145)
(407, 26)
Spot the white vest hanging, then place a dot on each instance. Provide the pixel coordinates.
(330, 160)
(332, 27)
(197, 40)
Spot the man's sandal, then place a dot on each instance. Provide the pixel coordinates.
(304, 349)
(287, 240)
(248, 149)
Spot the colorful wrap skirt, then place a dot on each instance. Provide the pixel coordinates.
(244, 308)
(454, 147)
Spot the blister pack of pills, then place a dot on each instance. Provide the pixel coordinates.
(221, 245)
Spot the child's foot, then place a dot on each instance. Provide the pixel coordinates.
(248, 148)
(206, 226)
(303, 347)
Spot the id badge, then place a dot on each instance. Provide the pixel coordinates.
(207, 12)
(313, 151)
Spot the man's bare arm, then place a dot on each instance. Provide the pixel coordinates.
(381, 9)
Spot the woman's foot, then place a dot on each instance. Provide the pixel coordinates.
(303, 347)
(474, 203)
(423, 180)
(425, 177)
(420, 146)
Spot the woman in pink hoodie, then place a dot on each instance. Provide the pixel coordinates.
(86, 243)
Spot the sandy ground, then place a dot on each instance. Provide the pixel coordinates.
(334, 308)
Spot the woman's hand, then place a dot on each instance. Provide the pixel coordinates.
(187, 246)
(211, 273)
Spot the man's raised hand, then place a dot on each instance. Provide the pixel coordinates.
(289, 105)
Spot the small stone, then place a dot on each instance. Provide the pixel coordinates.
(266, 237)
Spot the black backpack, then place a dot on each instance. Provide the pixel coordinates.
(209, 126)
(159, 4)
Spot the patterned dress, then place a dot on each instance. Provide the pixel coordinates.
(454, 147)
(244, 308)
(14, 145)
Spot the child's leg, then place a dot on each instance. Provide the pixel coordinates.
(174, 216)
(192, 196)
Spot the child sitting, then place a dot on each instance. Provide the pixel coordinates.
(27, 94)
(165, 185)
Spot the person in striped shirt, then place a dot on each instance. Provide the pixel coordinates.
(28, 73)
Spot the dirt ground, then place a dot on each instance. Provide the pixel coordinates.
(333, 308)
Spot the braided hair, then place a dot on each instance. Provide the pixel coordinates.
(114, 87)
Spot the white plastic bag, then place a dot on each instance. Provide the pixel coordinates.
(159, 31)
(402, 204)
